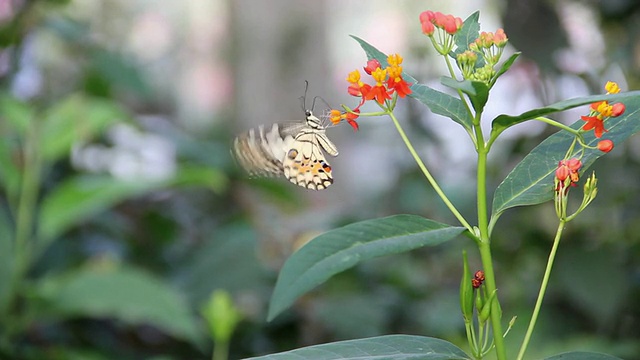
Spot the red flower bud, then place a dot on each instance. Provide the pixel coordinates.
(618, 109)
(605, 145)
(372, 65)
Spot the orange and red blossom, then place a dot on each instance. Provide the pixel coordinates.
(357, 87)
(595, 123)
(569, 169)
(336, 116)
(605, 145)
(378, 91)
(396, 82)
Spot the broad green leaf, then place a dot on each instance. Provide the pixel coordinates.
(76, 119)
(83, 196)
(125, 294)
(442, 104)
(467, 34)
(531, 181)
(438, 102)
(503, 122)
(477, 91)
(582, 355)
(345, 247)
(390, 347)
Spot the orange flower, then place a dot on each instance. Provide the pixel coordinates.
(357, 87)
(379, 91)
(336, 116)
(595, 123)
(605, 145)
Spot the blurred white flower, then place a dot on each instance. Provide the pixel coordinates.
(134, 155)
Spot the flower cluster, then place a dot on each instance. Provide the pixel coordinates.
(447, 26)
(388, 85)
(567, 173)
(599, 113)
(488, 45)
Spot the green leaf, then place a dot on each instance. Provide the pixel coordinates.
(531, 181)
(442, 104)
(345, 247)
(467, 34)
(15, 117)
(121, 293)
(76, 119)
(582, 355)
(438, 102)
(83, 196)
(390, 347)
(505, 66)
(503, 122)
(477, 91)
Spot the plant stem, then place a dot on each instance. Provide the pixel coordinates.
(543, 289)
(427, 174)
(485, 245)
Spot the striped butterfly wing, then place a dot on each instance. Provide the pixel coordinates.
(260, 151)
(290, 149)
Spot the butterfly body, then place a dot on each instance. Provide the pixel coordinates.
(295, 150)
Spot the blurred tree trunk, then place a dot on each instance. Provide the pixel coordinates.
(275, 46)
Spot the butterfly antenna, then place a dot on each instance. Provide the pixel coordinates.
(303, 98)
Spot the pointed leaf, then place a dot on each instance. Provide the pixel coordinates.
(504, 67)
(477, 91)
(345, 247)
(531, 181)
(124, 294)
(582, 355)
(442, 104)
(390, 347)
(467, 34)
(502, 122)
(438, 102)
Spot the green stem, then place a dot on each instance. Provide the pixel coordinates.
(543, 289)
(485, 245)
(427, 174)
(220, 350)
(557, 124)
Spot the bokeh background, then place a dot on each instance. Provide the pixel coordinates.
(116, 119)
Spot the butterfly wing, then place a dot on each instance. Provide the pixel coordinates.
(305, 164)
(260, 151)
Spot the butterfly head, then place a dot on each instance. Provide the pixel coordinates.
(313, 121)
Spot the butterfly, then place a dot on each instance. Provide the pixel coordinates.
(294, 150)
